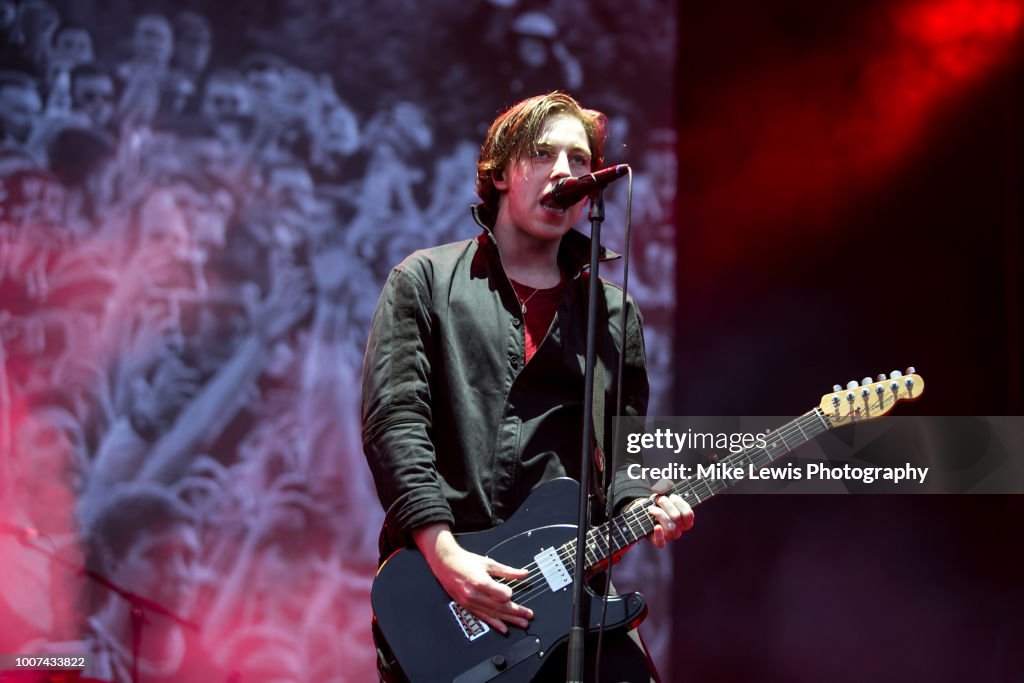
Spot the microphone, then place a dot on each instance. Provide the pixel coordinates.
(568, 191)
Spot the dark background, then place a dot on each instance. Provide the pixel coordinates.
(898, 254)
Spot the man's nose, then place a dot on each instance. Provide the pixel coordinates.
(561, 168)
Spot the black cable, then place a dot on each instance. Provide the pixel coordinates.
(610, 462)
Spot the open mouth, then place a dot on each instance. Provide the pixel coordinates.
(548, 205)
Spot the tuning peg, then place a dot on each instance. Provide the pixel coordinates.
(882, 377)
(865, 392)
(836, 387)
(850, 397)
(895, 374)
(911, 370)
(879, 389)
(909, 381)
(866, 381)
(852, 384)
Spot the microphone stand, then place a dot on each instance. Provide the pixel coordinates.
(139, 604)
(577, 631)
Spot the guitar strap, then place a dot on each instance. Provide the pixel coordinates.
(598, 461)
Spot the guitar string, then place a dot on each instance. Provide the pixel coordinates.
(566, 552)
(812, 420)
(815, 422)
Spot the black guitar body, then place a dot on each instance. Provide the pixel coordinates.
(423, 629)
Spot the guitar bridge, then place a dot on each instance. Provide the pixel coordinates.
(471, 627)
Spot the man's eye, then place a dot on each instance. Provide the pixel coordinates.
(542, 153)
(580, 160)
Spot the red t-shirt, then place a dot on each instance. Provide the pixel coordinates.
(540, 311)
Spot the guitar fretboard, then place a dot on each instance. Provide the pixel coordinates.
(606, 540)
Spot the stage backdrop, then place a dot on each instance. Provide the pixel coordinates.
(850, 203)
(198, 205)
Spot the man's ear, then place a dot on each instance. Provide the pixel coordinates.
(498, 178)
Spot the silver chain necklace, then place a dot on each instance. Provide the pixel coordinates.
(523, 302)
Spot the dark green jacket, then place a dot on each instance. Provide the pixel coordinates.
(455, 428)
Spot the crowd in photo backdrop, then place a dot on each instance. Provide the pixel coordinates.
(198, 207)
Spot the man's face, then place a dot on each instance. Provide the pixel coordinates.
(266, 80)
(208, 216)
(161, 567)
(37, 201)
(94, 95)
(210, 154)
(192, 52)
(152, 40)
(223, 98)
(47, 472)
(19, 108)
(163, 222)
(73, 47)
(562, 150)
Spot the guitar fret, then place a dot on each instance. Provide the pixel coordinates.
(636, 525)
(621, 526)
(806, 438)
(618, 534)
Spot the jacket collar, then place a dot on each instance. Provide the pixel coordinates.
(574, 250)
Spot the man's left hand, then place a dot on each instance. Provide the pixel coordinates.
(673, 514)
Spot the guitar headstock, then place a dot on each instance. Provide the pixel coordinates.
(868, 399)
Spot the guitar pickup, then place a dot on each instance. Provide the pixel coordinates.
(553, 569)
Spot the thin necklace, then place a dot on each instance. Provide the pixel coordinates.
(523, 302)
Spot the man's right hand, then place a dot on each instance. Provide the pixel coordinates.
(467, 578)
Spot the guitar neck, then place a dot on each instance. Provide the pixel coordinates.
(606, 540)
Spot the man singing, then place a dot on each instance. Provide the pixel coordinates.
(473, 375)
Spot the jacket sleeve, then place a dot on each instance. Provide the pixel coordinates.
(396, 410)
(635, 396)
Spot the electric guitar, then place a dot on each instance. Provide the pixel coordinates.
(433, 639)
